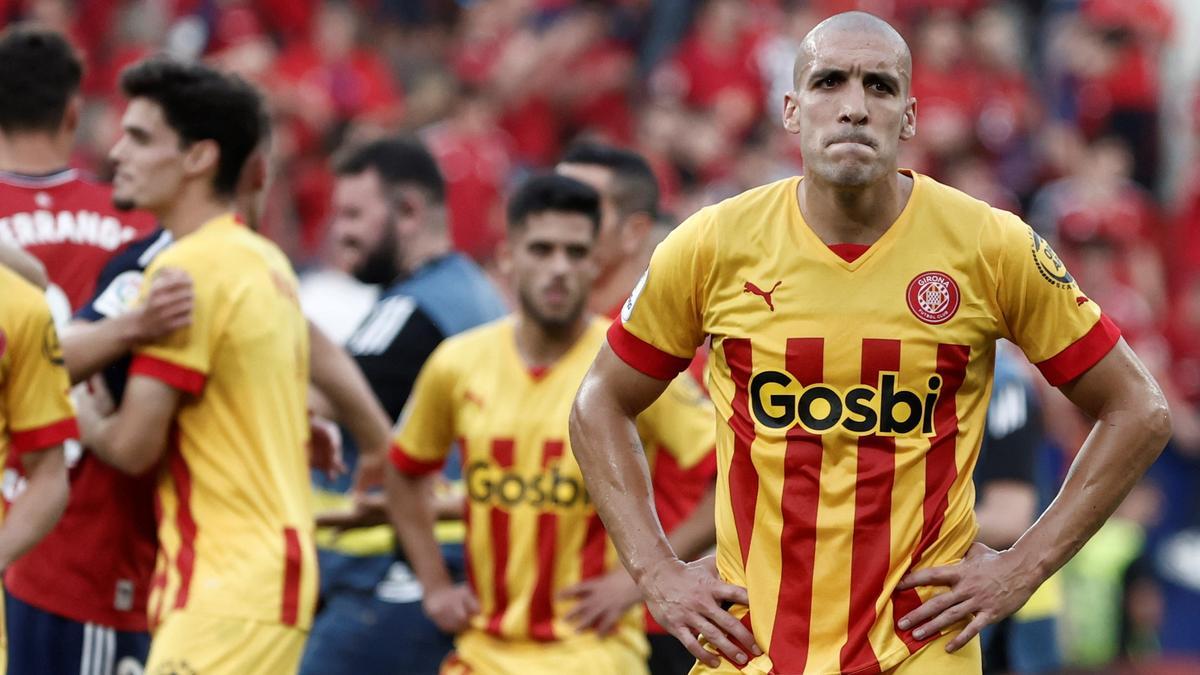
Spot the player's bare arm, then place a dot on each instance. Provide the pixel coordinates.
(24, 264)
(685, 598)
(35, 511)
(88, 347)
(601, 602)
(1132, 426)
(340, 384)
(410, 506)
(134, 437)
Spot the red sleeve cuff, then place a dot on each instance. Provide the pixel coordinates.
(180, 377)
(643, 356)
(1082, 354)
(32, 440)
(405, 463)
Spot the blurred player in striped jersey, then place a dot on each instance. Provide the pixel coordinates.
(502, 393)
(853, 314)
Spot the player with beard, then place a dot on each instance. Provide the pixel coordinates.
(389, 214)
(502, 393)
(853, 314)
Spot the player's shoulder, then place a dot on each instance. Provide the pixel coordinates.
(751, 208)
(17, 290)
(962, 209)
(475, 344)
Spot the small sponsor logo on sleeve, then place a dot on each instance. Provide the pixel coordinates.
(51, 347)
(627, 310)
(1048, 263)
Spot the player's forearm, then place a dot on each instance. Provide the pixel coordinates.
(605, 442)
(89, 347)
(34, 513)
(122, 444)
(1122, 445)
(342, 384)
(698, 532)
(410, 508)
(24, 264)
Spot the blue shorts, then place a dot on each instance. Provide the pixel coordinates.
(41, 643)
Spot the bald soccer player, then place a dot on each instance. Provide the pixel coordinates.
(853, 314)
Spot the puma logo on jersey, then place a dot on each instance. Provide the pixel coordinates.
(1080, 300)
(765, 295)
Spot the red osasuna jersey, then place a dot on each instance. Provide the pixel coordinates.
(851, 397)
(69, 223)
(93, 566)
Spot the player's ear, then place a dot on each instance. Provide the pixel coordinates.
(201, 157)
(908, 128)
(791, 112)
(72, 114)
(504, 256)
(634, 232)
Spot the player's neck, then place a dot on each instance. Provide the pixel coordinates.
(34, 154)
(195, 206)
(415, 253)
(540, 346)
(853, 216)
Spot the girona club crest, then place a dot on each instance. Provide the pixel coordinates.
(933, 297)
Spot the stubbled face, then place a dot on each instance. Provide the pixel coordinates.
(148, 159)
(607, 249)
(851, 107)
(364, 229)
(552, 267)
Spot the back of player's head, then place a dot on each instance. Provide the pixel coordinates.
(398, 161)
(634, 186)
(200, 103)
(553, 192)
(39, 73)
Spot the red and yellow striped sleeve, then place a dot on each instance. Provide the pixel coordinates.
(39, 410)
(426, 428)
(661, 324)
(183, 359)
(1061, 330)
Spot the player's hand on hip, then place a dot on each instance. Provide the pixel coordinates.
(451, 607)
(168, 305)
(983, 588)
(686, 598)
(601, 601)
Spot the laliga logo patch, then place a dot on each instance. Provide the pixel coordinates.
(1049, 266)
(633, 297)
(933, 297)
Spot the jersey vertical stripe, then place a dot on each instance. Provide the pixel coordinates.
(290, 609)
(940, 472)
(805, 360)
(502, 454)
(743, 477)
(541, 606)
(870, 556)
(185, 558)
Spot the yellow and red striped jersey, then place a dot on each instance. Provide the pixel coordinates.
(851, 396)
(235, 523)
(35, 410)
(532, 530)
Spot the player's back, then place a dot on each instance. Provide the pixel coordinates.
(69, 223)
(235, 524)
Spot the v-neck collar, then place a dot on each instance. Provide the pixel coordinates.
(825, 254)
(539, 374)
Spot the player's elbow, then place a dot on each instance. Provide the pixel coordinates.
(1156, 420)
